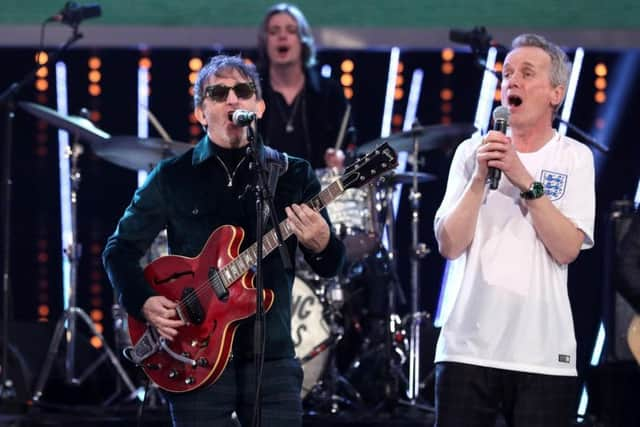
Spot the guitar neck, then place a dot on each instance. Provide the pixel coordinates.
(249, 257)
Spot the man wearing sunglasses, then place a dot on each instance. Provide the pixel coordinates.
(194, 194)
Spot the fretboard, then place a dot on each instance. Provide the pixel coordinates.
(249, 257)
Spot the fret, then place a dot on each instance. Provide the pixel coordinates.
(234, 269)
(227, 275)
(242, 265)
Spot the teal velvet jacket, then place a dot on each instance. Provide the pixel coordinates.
(190, 196)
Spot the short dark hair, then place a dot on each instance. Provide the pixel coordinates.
(219, 65)
(304, 32)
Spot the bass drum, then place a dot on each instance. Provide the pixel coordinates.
(309, 331)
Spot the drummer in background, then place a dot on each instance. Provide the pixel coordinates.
(305, 109)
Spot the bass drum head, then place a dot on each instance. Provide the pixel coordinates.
(309, 332)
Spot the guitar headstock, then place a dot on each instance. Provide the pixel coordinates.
(375, 163)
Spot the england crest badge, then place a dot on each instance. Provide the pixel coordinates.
(554, 184)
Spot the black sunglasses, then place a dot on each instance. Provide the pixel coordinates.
(219, 93)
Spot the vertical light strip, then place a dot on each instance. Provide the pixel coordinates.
(487, 93)
(595, 359)
(409, 117)
(414, 98)
(452, 276)
(394, 58)
(143, 112)
(576, 67)
(65, 183)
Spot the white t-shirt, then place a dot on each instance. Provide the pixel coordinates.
(512, 307)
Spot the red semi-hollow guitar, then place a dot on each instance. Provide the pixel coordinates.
(215, 291)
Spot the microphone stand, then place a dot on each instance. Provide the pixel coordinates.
(8, 99)
(263, 192)
(588, 139)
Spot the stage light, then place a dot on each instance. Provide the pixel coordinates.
(144, 62)
(94, 63)
(600, 69)
(347, 66)
(95, 76)
(447, 68)
(346, 80)
(195, 64)
(448, 54)
(600, 83)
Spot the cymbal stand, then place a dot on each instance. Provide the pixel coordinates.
(419, 250)
(66, 326)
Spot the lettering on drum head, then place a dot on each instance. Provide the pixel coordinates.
(308, 327)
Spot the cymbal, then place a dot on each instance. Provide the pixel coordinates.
(136, 153)
(407, 178)
(74, 124)
(429, 138)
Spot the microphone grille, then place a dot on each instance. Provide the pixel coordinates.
(501, 113)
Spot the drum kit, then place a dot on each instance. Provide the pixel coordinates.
(328, 315)
(328, 312)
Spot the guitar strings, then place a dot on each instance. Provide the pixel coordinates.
(203, 287)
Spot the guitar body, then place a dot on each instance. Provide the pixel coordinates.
(211, 321)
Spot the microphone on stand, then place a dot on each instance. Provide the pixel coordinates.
(72, 13)
(242, 117)
(500, 123)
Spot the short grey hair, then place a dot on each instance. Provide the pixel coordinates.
(560, 67)
(222, 65)
(304, 32)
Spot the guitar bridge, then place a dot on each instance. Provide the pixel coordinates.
(216, 283)
(195, 311)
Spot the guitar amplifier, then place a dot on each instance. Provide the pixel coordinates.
(617, 313)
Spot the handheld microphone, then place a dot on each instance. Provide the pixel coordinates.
(242, 117)
(500, 123)
(72, 13)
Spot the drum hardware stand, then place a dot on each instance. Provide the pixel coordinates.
(394, 356)
(419, 250)
(327, 389)
(67, 323)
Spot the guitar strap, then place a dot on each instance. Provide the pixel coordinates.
(276, 164)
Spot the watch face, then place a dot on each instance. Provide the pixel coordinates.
(537, 190)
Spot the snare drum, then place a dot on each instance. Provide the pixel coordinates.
(309, 332)
(353, 216)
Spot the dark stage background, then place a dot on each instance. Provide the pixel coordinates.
(106, 189)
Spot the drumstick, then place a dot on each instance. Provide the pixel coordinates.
(156, 124)
(343, 127)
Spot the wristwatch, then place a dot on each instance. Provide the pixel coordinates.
(535, 191)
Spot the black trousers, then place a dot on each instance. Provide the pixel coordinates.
(473, 396)
(234, 392)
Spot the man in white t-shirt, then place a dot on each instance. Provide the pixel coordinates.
(508, 344)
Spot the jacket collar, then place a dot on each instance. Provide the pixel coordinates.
(202, 151)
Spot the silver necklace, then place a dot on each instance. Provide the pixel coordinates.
(289, 119)
(230, 175)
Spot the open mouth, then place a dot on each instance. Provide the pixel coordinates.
(514, 100)
(283, 49)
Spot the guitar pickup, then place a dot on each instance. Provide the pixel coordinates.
(195, 312)
(218, 287)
